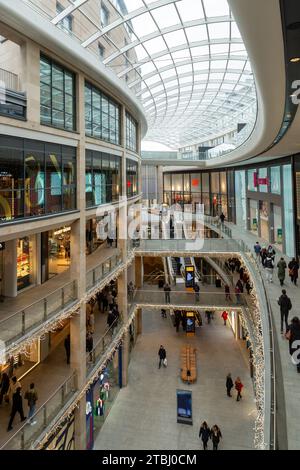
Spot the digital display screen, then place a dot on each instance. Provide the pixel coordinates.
(184, 404)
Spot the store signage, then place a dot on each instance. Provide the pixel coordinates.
(184, 407)
(61, 231)
(190, 324)
(195, 182)
(189, 277)
(260, 181)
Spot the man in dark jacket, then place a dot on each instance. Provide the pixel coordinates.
(162, 355)
(229, 385)
(285, 306)
(204, 433)
(17, 407)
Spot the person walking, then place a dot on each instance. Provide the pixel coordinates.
(167, 290)
(32, 397)
(239, 387)
(14, 384)
(177, 319)
(263, 255)
(17, 407)
(215, 436)
(227, 293)
(294, 271)
(225, 317)
(163, 313)
(4, 388)
(257, 251)
(67, 344)
(204, 434)
(162, 353)
(281, 266)
(229, 385)
(285, 305)
(222, 218)
(293, 335)
(269, 266)
(89, 345)
(197, 292)
(237, 292)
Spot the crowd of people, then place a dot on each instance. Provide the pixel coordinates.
(11, 395)
(235, 266)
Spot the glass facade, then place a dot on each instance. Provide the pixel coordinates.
(209, 189)
(131, 133)
(241, 201)
(275, 180)
(57, 95)
(132, 178)
(289, 233)
(103, 178)
(36, 178)
(102, 115)
(251, 180)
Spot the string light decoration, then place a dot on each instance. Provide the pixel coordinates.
(105, 359)
(57, 322)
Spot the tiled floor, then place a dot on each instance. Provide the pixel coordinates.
(144, 415)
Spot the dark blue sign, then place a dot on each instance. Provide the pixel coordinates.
(184, 407)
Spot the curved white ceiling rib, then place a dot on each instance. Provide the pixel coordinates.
(184, 59)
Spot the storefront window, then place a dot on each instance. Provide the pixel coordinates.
(205, 183)
(103, 178)
(263, 175)
(275, 180)
(35, 178)
(253, 216)
(167, 183)
(278, 234)
(289, 233)
(264, 220)
(196, 182)
(251, 180)
(215, 183)
(131, 133)
(59, 248)
(241, 200)
(132, 178)
(223, 179)
(24, 263)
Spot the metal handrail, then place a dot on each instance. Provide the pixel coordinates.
(42, 407)
(36, 302)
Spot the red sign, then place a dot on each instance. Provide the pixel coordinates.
(260, 181)
(128, 184)
(195, 182)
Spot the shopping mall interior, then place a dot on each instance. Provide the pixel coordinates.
(149, 225)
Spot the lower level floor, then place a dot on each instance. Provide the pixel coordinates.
(144, 415)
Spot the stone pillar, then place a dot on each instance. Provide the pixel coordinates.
(160, 185)
(10, 269)
(139, 321)
(30, 79)
(78, 273)
(139, 272)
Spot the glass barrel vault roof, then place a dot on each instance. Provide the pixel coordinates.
(184, 59)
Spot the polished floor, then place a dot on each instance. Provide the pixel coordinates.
(144, 415)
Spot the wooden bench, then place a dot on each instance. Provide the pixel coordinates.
(188, 364)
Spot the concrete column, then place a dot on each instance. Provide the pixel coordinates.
(10, 269)
(30, 79)
(139, 321)
(123, 307)
(78, 273)
(139, 272)
(160, 184)
(38, 259)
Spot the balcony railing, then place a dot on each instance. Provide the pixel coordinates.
(27, 436)
(26, 320)
(98, 274)
(9, 80)
(94, 357)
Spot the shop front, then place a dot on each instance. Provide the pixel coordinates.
(22, 363)
(101, 397)
(55, 252)
(25, 262)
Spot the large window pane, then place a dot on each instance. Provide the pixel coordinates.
(275, 180)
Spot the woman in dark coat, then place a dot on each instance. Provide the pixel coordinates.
(204, 434)
(294, 270)
(215, 436)
(17, 407)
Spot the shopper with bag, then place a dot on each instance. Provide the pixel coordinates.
(162, 357)
(293, 335)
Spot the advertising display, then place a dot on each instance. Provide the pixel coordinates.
(64, 439)
(190, 324)
(189, 277)
(184, 407)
